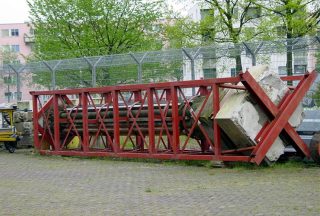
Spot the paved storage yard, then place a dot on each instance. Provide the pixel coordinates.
(35, 185)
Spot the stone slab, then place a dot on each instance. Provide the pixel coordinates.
(241, 118)
(25, 128)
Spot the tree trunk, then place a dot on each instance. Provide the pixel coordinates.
(289, 43)
(289, 60)
(238, 57)
(238, 64)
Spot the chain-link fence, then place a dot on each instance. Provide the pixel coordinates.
(219, 60)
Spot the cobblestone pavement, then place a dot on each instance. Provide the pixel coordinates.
(36, 185)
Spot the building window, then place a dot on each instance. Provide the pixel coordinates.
(300, 58)
(253, 12)
(236, 13)
(4, 32)
(233, 72)
(14, 32)
(5, 48)
(31, 31)
(15, 48)
(8, 80)
(209, 73)
(300, 69)
(282, 70)
(206, 12)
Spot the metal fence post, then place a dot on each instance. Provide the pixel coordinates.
(18, 84)
(53, 73)
(139, 63)
(192, 58)
(93, 69)
(253, 52)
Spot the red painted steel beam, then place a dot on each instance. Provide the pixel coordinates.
(292, 78)
(47, 105)
(216, 128)
(282, 116)
(36, 121)
(170, 92)
(223, 82)
(230, 151)
(164, 156)
(85, 123)
(175, 120)
(151, 118)
(116, 119)
(139, 87)
(56, 122)
(230, 86)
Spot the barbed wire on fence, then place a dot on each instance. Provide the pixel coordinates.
(214, 51)
(216, 60)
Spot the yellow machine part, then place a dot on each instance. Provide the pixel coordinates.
(74, 143)
(7, 139)
(6, 133)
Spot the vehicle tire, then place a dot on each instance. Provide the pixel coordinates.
(10, 146)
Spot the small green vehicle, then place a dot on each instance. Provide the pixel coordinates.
(8, 133)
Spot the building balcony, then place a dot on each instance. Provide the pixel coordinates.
(28, 38)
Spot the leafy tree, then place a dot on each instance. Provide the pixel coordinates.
(231, 19)
(316, 96)
(182, 32)
(73, 28)
(316, 91)
(7, 57)
(292, 18)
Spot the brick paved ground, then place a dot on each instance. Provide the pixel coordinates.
(36, 185)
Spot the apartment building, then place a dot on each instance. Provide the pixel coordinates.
(16, 41)
(208, 67)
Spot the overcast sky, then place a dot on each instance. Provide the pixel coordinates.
(13, 11)
(16, 11)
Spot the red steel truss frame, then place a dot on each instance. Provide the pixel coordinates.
(147, 144)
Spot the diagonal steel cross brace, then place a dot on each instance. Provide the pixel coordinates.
(281, 115)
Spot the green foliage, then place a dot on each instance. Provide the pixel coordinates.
(295, 18)
(231, 21)
(290, 19)
(72, 28)
(316, 96)
(162, 71)
(8, 57)
(182, 32)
